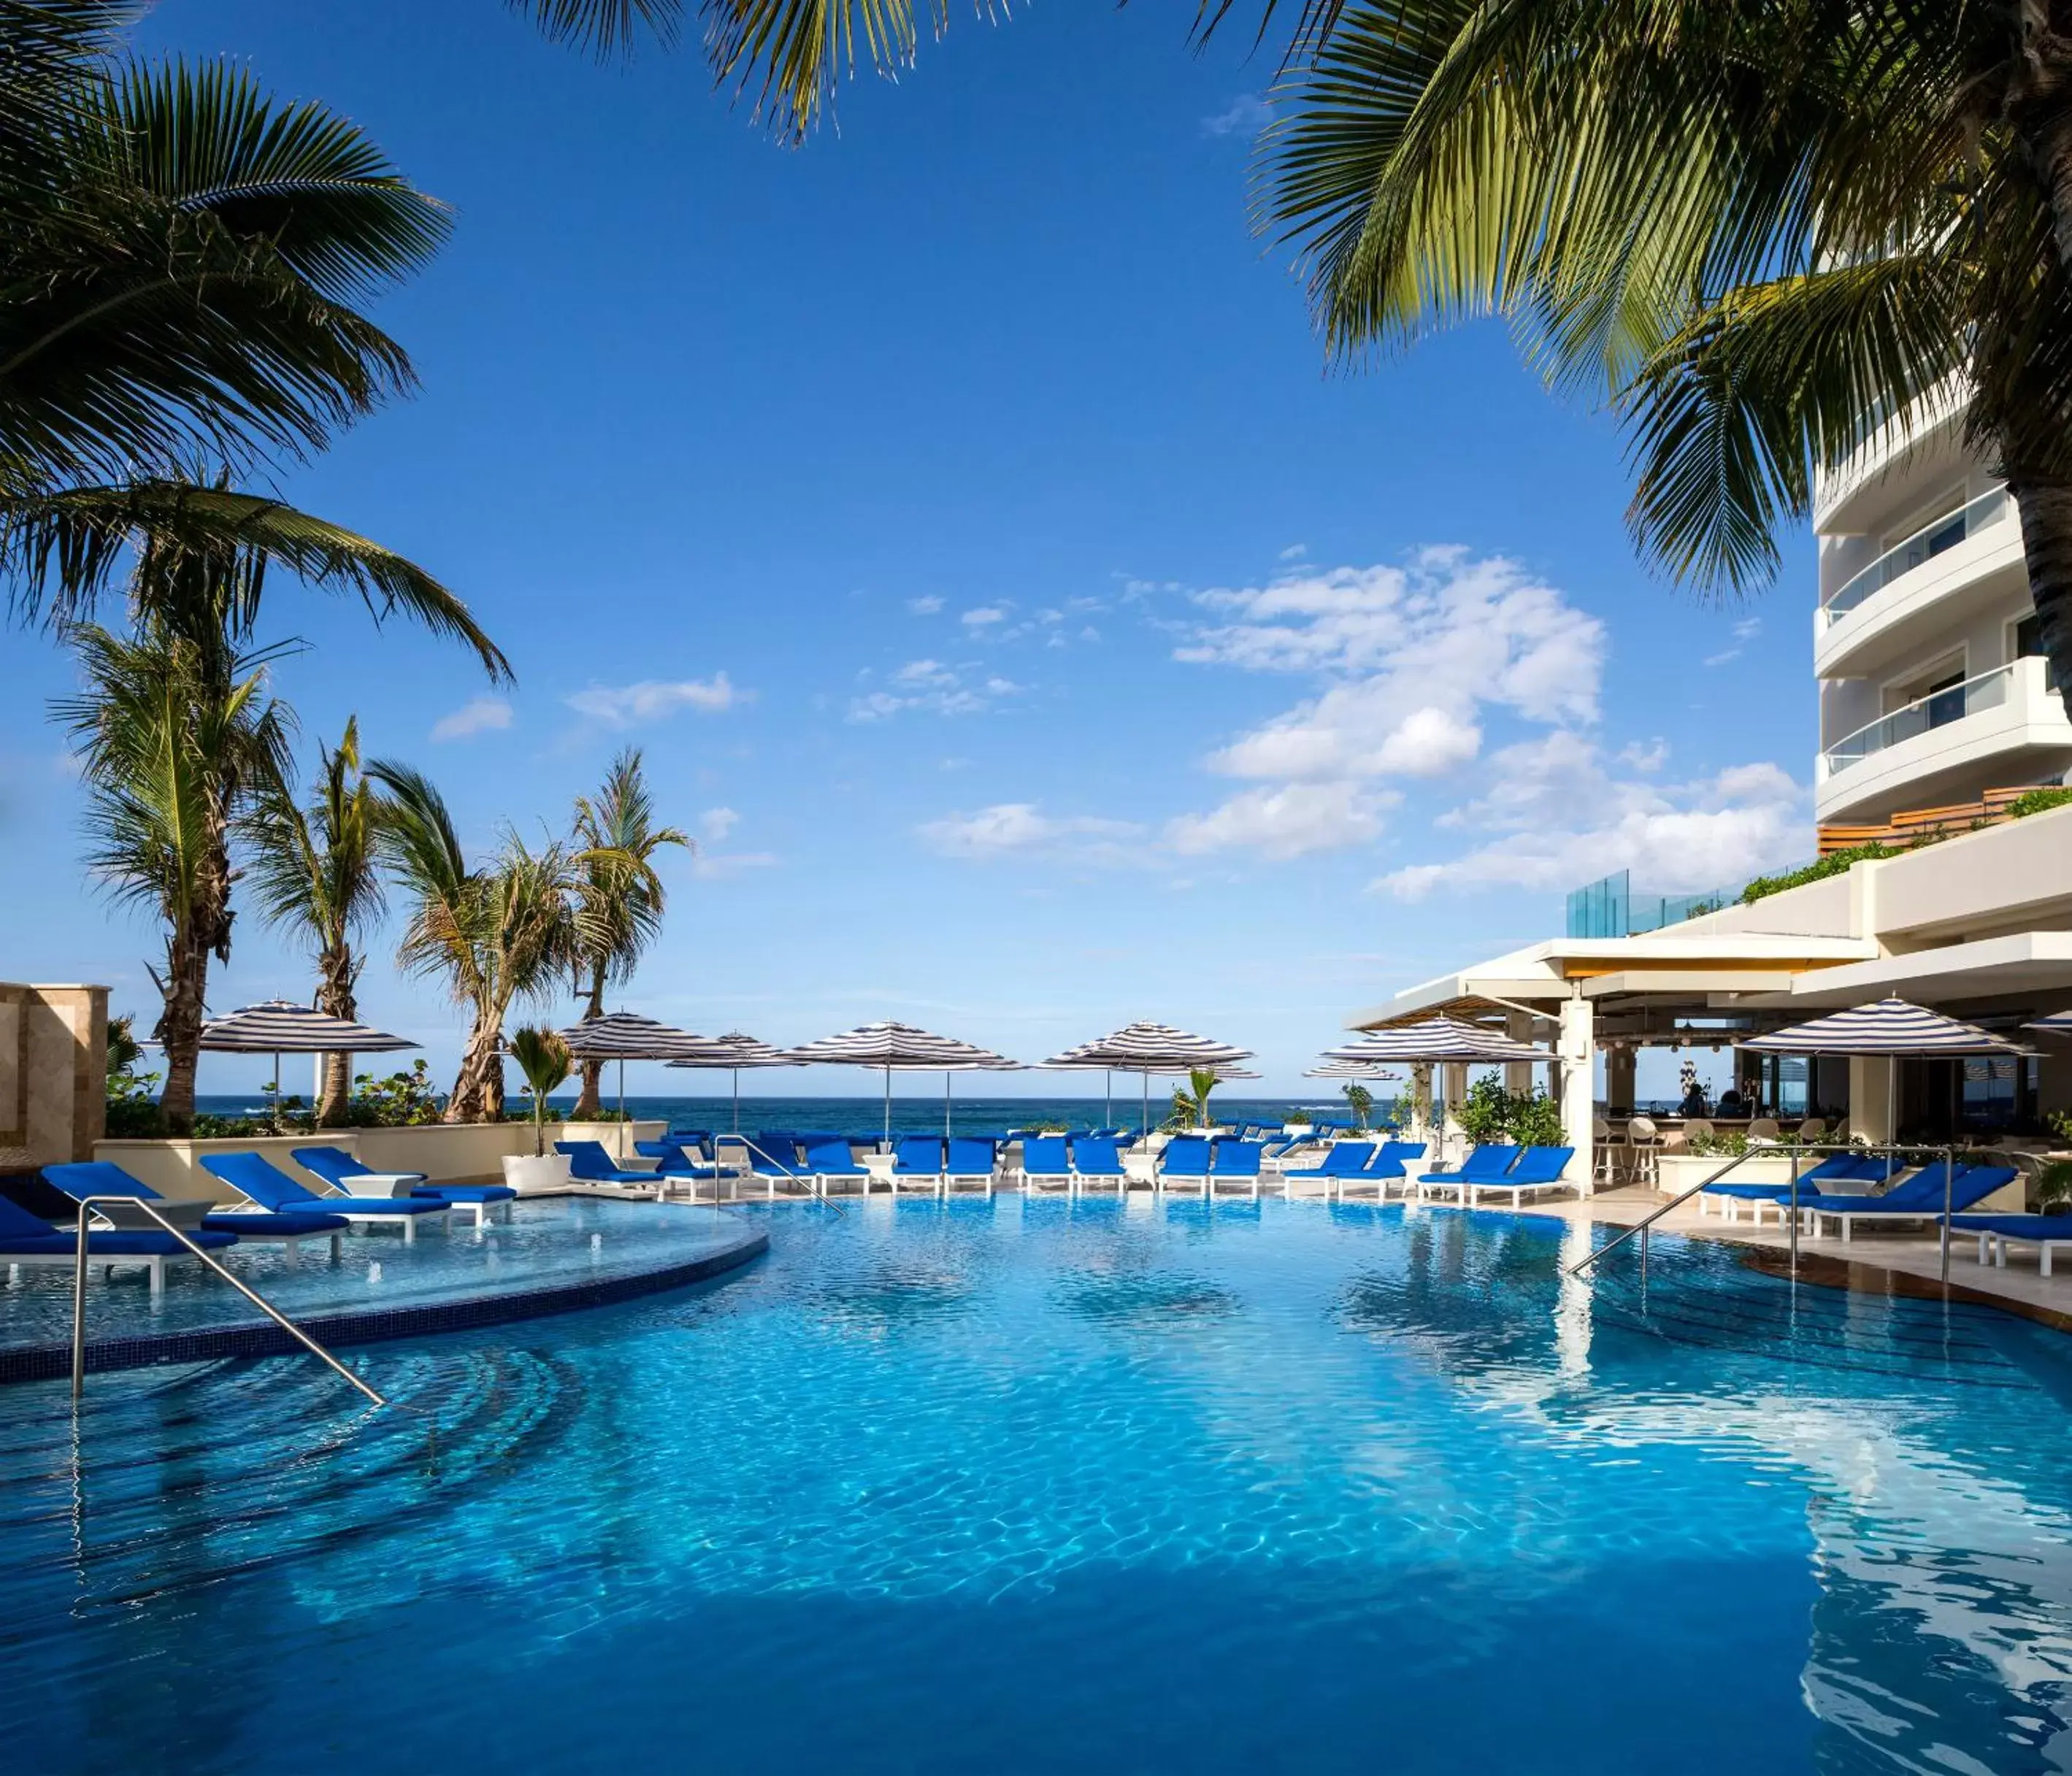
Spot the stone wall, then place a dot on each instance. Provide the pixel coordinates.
(53, 1073)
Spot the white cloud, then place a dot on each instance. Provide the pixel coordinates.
(1022, 828)
(1744, 632)
(1294, 552)
(1559, 817)
(716, 823)
(622, 705)
(1246, 115)
(983, 616)
(1287, 822)
(924, 607)
(934, 686)
(480, 715)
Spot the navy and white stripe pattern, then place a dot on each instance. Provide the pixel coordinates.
(1350, 1069)
(1891, 1026)
(734, 1050)
(902, 1048)
(628, 1036)
(1149, 1048)
(1434, 1039)
(2058, 1023)
(281, 1027)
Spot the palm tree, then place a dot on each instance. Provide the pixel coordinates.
(1756, 230)
(174, 730)
(182, 259)
(620, 898)
(497, 933)
(313, 870)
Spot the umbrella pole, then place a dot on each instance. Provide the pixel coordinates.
(885, 1146)
(737, 1101)
(1108, 1098)
(946, 1103)
(622, 1110)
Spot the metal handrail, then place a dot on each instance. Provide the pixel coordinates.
(789, 1170)
(251, 1294)
(1796, 1149)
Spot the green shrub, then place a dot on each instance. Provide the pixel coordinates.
(2039, 801)
(1837, 864)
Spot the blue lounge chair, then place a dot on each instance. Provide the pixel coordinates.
(258, 1180)
(971, 1160)
(1846, 1169)
(1046, 1160)
(589, 1163)
(1485, 1165)
(1098, 1162)
(1536, 1169)
(674, 1159)
(99, 1177)
(1186, 1161)
(1345, 1159)
(27, 1239)
(1237, 1162)
(830, 1161)
(918, 1159)
(1996, 1232)
(338, 1168)
(774, 1158)
(1920, 1198)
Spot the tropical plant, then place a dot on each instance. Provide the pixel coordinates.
(313, 871)
(1762, 232)
(1534, 1119)
(620, 898)
(497, 933)
(1190, 1102)
(402, 1099)
(183, 258)
(544, 1059)
(1360, 1101)
(173, 730)
(132, 1108)
(1483, 1112)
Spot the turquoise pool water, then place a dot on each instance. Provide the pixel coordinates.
(1010, 1487)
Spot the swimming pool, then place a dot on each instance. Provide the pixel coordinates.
(1031, 1486)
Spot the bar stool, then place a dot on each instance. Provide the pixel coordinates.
(1643, 1141)
(1604, 1164)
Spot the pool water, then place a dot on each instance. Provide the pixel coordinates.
(1041, 1486)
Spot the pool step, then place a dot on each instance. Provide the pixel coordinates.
(174, 1482)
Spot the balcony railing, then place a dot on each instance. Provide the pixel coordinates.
(1987, 691)
(1930, 541)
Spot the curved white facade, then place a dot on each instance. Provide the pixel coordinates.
(1929, 693)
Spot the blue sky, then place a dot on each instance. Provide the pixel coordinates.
(961, 514)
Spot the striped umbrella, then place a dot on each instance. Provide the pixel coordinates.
(1892, 1028)
(2058, 1023)
(278, 1027)
(1434, 1039)
(902, 1048)
(733, 1051)
(623, 1036)
(1146, 1048)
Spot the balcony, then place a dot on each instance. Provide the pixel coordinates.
(2003, 727)
(1897, 464)
(1941, 577)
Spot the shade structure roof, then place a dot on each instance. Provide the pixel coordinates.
(278, 1026)
(1887, 1027)
(901, 1048)
(1436, 1039)
(628, 1036)
(1147, 1048)
(734, 1049)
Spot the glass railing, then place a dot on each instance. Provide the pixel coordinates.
(1987, 691)
(1924, 545)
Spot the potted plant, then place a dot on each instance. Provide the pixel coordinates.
(544, 1059)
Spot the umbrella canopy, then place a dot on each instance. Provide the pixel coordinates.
(1146, 1048)
(2058, 1023)
(279, 1027)
(1349, 1069)
(733, 1051)
(903, 1048)
(1890, 1027)
(623, 1036)
(1436, 1039)
(628, 1036)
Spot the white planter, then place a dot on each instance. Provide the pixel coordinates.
(540, 1176)
(1676, 1173)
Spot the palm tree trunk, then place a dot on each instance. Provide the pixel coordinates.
(477, 1092)
(2040, 107)
(185, 990)
(587, 1099)
(335, 977)
(2045, 507)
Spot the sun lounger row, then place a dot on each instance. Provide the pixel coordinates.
(1498, 1168)
(1920, 1197)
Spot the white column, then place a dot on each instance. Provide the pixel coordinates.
(1578, 1056)
(1871, 1084)
(1518, 1074)
(1453, 1075)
